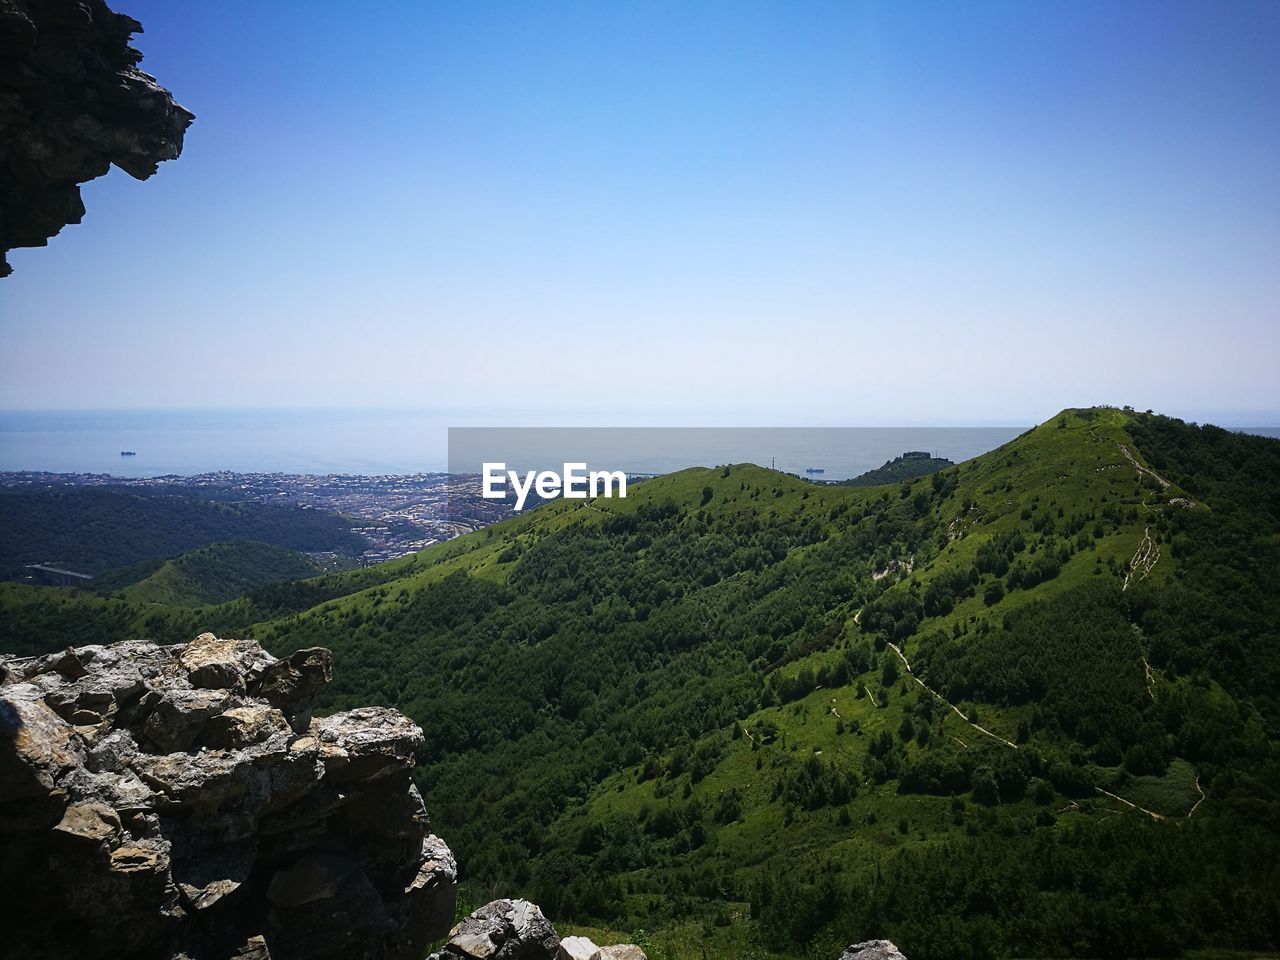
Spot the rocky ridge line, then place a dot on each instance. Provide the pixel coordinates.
(181, 801)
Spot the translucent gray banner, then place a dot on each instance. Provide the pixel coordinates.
(497, 469)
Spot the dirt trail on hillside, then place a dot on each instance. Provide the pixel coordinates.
(1129, 803)
(1142, 471)
(1148, 552)
(1133, 461)
(1144, 558)
(954, 709)
(1196, 806)
(1151, 680)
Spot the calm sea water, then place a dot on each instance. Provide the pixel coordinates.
(186, 442)
(367, 442)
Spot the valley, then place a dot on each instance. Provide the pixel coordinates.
(388, 516)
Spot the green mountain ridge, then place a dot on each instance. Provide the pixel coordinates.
(96, 529)
(1024, 706)
(206, 575)
(908, 466)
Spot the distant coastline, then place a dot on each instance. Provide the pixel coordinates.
(403, 443)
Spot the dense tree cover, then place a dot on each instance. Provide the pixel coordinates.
(95, 529)
(1024, 887)
(905, 467)
(37, 620)
(1074, 656)
(816, 784)
(1221, 616)
(207, 575)
(638, 640)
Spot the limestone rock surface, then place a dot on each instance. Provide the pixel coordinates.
(620, 951)
(502, 930)
(577, 948)
(180, 801)
(517, 930)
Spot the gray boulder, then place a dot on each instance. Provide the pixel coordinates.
(872, 950)
(620, 951)
(517, 930)
(502, 930)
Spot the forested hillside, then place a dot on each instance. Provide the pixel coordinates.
(95, 529)
(206, 575)
(691, 710)
(1025, 706)
(909, 466)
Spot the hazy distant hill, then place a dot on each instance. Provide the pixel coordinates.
(95, 529)
(909, 466)
(690, 711)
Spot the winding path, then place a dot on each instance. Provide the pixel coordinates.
(954, 709)
(1196, 806)
(1129, 803)
(1144, 559)
(1142, 471)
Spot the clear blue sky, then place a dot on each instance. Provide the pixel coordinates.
(699, 212)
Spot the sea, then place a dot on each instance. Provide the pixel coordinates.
(380, 443)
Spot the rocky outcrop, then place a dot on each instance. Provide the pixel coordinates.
(872, 950)
(503, 930)
(517, 930)
(72, 103)
(181, 802)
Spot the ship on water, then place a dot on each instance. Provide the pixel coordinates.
(128, 453)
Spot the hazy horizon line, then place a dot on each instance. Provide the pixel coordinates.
(1236, 420)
